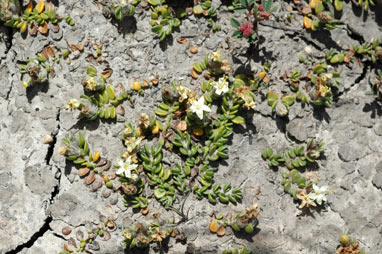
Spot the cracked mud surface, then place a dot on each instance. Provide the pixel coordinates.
(40, 192)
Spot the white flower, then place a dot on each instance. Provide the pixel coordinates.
(319, 194)
(125, 168)
(215, 56)
(221, 87)
(248, 102)
(131, 143)
(73, 104)
(91, 83)
(198, 107)
(184, 93)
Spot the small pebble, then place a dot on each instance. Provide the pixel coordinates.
(66, 230)
(97, 184)
(47, 139)
(83, 171)
(194, 49)
(79, 235)
(113, 199)
(94, 246)
(90, 178)
(106, 193)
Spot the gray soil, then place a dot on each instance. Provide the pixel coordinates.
(41, 192)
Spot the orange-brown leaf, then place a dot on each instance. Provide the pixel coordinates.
(44, 28)
(214, 226)
(182, 125)
(221, 231)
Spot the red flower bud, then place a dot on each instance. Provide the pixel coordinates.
(260, 7)
(247, 29)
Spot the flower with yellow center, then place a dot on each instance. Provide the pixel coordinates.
(221, 87)
(306, 202)
(125, 168)
(91, 83)
(131, 143)
(215, 56)
(184, 93)
(73, 104)
(144, 121)
(249, 103)
(198, 107)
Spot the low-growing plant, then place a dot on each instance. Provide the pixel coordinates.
(253, 14)
(318, 14)
(296, 184)
(141, 235)
(348, 246)
(37, 18)
(164, 19)
(99, 100)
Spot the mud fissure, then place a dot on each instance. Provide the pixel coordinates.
(45, 227)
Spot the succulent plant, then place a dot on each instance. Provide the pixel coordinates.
(369, 50)
(323, 16)
(141, 235)
(348, 245)
(100, 100)
(243, 250)
(205, 8)
(9, 9)
(76, 149)
(280, 105)
(376, 86)
(37, 17)
(163, 19)
(246, 222)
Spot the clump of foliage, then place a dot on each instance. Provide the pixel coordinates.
(318, 14)
(37, 17)
(142, 235)
(38, 70)
(243, 250)
(253, 14)
(100, 99)
(348, 246)
(295, 160)
(369, 51)
(376, 86)
(164, 19)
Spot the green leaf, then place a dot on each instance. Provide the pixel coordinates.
(118, 14)
(154, 2)
(339, 5)
(235, 23)
(237, 34)
(319, 7)
(156, 29)
(238, 120)
(198, 9)
(180, 13)
(244, 3)
(91, 71)
(267, 4)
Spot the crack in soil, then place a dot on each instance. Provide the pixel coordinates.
(45, 227)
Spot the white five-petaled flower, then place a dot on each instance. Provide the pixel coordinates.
(215, 56)
(184, 93)
(125, 168)
(198, 107)
(319, 194)
(221, 87)
(73, 104)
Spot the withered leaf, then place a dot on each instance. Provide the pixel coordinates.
(43, 29)
(182, 125)
(107, 72)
